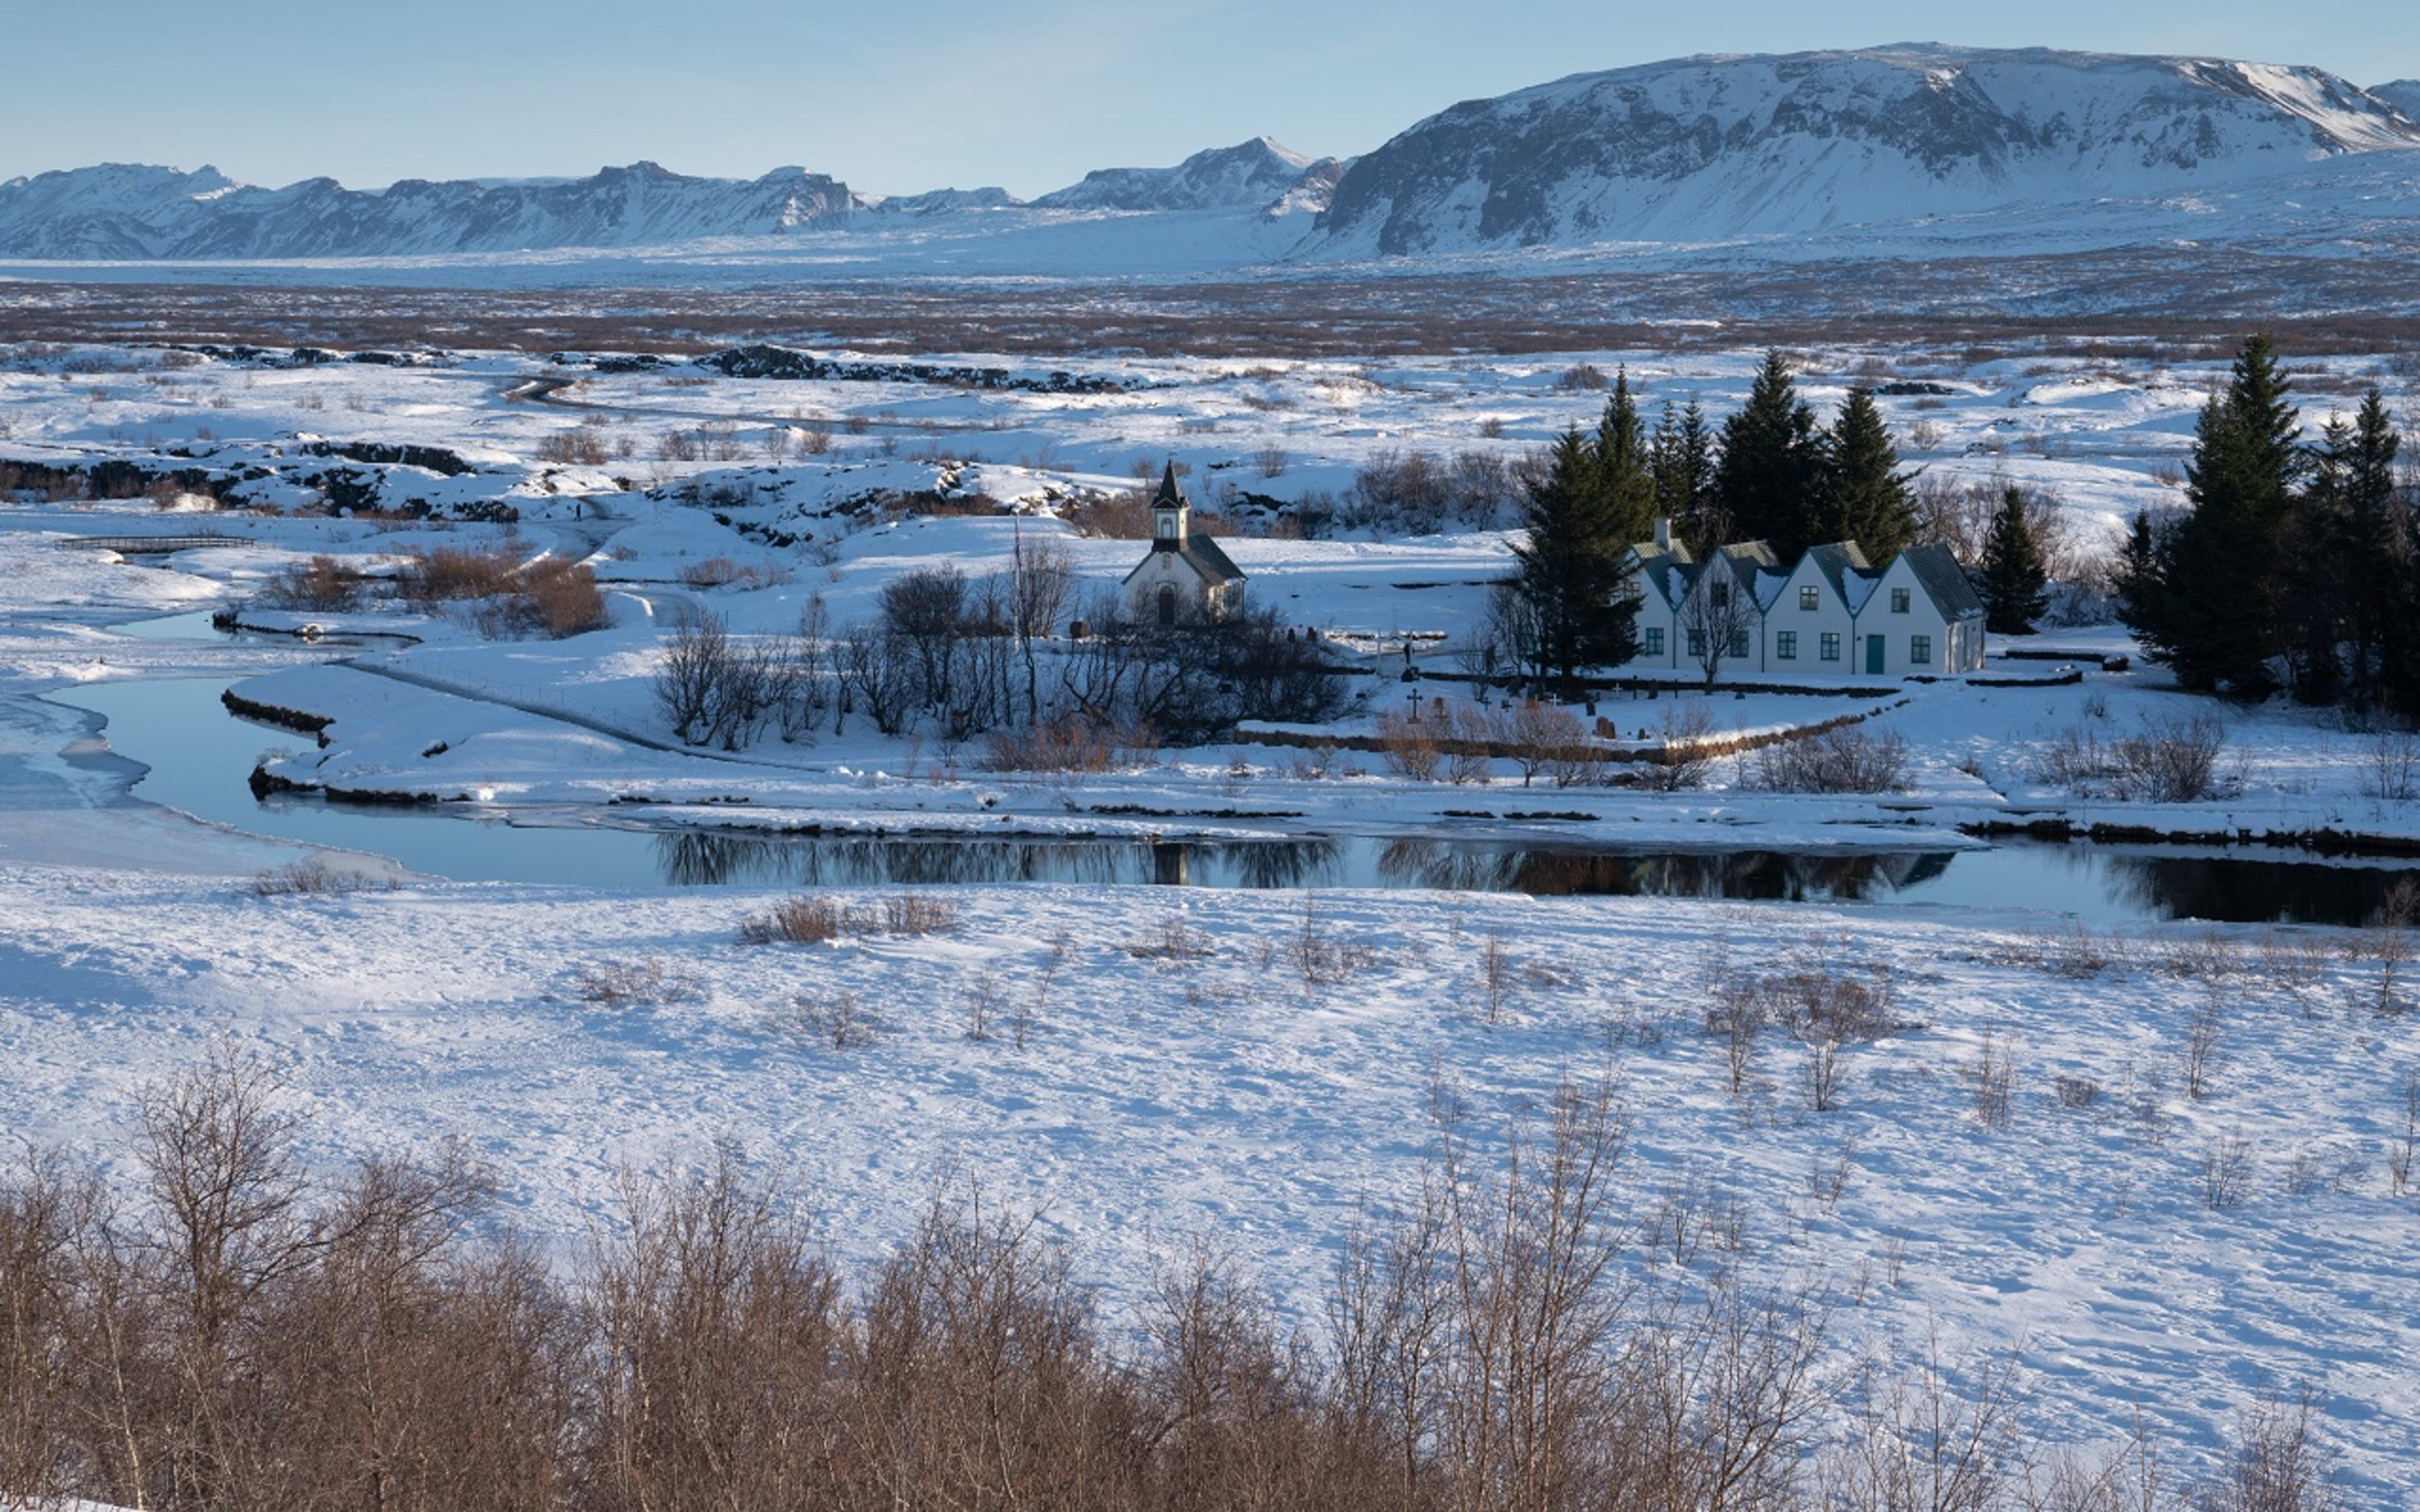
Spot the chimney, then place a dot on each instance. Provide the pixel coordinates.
(1664, 531)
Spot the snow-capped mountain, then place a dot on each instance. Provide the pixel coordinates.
(121, 211)
(1250, 176)
(1714, 148)
(2403, 94)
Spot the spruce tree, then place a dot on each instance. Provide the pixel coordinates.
(1766, 479)
(2375, 545)
(2219, 568)
(1623, 460)
(1865, 496)
(2014, 580)
(1570, 567)
(1683, 464)
(2142, 600)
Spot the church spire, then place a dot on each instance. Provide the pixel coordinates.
(1169, 525)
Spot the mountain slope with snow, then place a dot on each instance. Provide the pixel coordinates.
(121, 211)
(1714, 148)
(1249, 176)
(2403, 94)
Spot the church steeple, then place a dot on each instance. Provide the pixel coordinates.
(1170, 512)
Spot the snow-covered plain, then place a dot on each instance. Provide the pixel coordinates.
(1226, 1095)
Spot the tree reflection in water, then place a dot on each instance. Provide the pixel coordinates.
(2137, 883)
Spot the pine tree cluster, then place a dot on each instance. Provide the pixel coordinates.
(2295, 565)
(1769, 471)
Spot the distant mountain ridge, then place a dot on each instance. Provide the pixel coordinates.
(2032, 149)
(1726, 147)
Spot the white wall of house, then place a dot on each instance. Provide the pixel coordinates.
(1723, 575)
(1916, 638)
(1657, 626)
(1806, 618)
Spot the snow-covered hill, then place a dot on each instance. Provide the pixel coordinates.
(1250, 176)
(122, 211)
(1717, 148)
(2403, 94)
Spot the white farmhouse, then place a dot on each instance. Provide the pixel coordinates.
(1830, 612)
(1185, 578)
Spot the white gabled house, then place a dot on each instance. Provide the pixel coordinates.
(1811, 626)
(1923, 618)
(1830, 612)
(1662, 570)
(1186, 579)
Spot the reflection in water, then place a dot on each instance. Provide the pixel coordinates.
(2248, 891)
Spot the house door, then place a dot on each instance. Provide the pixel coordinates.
(1167, 605)
(1873, 656)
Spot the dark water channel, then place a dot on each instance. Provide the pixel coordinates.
(199, 757)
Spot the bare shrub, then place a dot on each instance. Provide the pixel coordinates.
(919, 913)
(840, 1021)
(2274, 1463)
(1581, 377)
(582, 447)
(1171, 939)
(565, 600)
(1683, 737)
(2391, 766)
(2403, 1149)
(2205, 1039)
(1270, 460)
(631, 984)
(1068, 743)
(2226, 1171)
(1322, 955)
(1994, 1080)
(320, 584)
(722, 572)
(2076, 1093)
(812, 920)
(2391, 943)
(310, 877)
(1410, 747)
(2167, 761)
(1495, 973)
(1841, 759)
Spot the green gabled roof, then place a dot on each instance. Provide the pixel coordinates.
(1944, 581)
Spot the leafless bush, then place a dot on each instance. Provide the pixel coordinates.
(1495, 973)
(2076, 1093)
(1171, 939)
(812, 920)
(583, 447)
(2390, 942)
(722, 572)
(1271, 460)
(1683, 734)
(2404, 1148)
(1994, 1080)
(2391, 766)
(1841, 759)
(2276, 1463)
(1068, 743)
(2226, 1171)
(1322, 955)
(840, 1021)
(310, 877)
(1410, 747)
(1582, 377)
(627, 983)
(2167, 761)
(2205, 1039)
(559, 597)
(919, 913)
(322, 585)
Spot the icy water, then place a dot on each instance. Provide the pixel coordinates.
(199, 757)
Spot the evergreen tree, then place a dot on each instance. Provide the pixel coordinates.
(1683, 461)
(2142, 604)
(1865, 497)
(1622, 458)
(1570, 572)
(2014, 580)
(2359, 465)
(2219, 570)
(1771, 464)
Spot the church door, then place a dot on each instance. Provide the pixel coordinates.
(1167, 605)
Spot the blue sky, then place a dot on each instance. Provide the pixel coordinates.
(907, 95)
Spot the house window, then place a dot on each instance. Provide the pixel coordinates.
(1652, 640)
(1829, 648)
(1785, 644)
(1807, 600)
(1919, 651)
(1697, 642)
(1899, 601)
(1739, 642)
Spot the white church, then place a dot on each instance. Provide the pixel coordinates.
(1185, 579)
